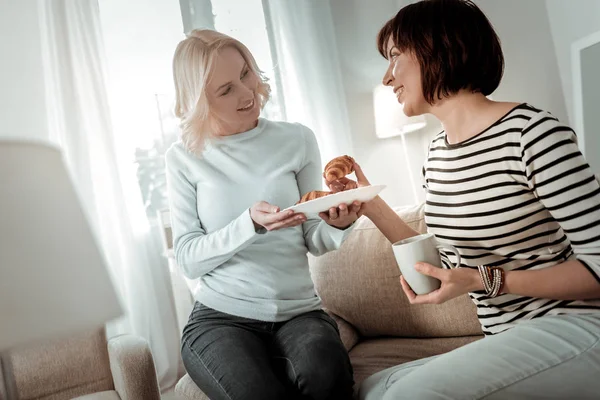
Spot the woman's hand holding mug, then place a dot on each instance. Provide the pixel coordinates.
(423, 280)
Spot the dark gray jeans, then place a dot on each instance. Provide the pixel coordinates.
(233, 358)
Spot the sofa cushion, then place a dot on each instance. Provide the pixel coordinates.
(361, 283)
(348, 333)
(188, 389)
(108, 395)
(63, 368)
(374, 355)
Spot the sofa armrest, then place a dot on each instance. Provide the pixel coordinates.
(348, 333)
(132, 367)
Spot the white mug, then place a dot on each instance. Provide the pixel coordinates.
(421, 248)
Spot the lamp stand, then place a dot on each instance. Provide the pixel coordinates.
(8, 389)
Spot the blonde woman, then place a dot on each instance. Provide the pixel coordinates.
(257, 330)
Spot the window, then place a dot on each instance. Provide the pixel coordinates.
(245, 21)
(140, 37)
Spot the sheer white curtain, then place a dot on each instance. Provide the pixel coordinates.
(79, 121)
(306, 57)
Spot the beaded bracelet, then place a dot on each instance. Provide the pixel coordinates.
(492, 279)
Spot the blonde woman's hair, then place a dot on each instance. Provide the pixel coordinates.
(193, 63)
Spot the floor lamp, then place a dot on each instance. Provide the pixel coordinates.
(53, 278)
(390, 121)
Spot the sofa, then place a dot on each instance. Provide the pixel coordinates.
(86, 366)
(360, 287)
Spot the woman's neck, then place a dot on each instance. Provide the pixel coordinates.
(224, 129)
(466, 114)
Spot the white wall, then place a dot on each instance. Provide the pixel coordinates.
(590, 66)
(569, 22)
(356, 24)
(22, 98)
(531, 75)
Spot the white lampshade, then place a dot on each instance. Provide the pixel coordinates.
(53, 278)
(389, 117)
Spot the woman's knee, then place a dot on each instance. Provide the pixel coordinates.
(325, 371)
(228, 362)
(229, 379)
(318, 362)
(375, 386)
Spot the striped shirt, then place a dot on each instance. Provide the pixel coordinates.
(518, 195)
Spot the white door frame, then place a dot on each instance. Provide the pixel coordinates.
(576, 48)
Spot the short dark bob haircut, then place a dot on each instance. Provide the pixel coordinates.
(454, 43)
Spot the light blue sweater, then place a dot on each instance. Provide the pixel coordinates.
(263, 276)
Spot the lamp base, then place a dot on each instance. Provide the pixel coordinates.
(8, 389)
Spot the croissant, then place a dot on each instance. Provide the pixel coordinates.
(338, 168)
(334, 170)
(315, 194)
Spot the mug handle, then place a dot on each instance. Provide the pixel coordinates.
(448, 246)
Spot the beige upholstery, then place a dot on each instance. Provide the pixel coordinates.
(188, 389)
(373, 355)
(108, 395)
(361, 284)
(86, 365)
(132, 367)
(360, 288)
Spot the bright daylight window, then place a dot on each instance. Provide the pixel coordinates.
(245, 21)
(140, 38)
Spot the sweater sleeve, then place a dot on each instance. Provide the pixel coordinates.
(562, 180)
(319, 236)
(196, 251)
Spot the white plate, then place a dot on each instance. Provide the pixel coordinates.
(314, 207)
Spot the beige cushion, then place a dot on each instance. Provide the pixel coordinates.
(64, 368)
(132, 366)
(108, 395)
(348, 333)
(361, 284)
(374, 355)
(188, 389)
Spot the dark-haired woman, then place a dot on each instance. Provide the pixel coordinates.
(507, 185)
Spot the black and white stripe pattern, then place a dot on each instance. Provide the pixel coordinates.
(519, 195)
